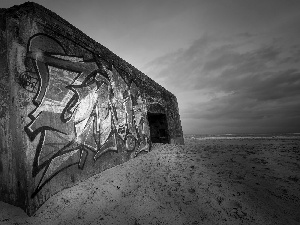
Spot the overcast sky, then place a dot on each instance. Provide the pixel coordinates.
(234, 65)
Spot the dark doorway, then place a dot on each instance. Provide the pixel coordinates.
(158, 127)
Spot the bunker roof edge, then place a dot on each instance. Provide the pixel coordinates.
(39, 10)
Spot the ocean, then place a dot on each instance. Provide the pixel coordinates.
(294, 136)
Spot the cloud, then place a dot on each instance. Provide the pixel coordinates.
(175, 70)
(233, 83)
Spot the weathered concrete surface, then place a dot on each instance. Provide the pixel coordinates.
(69, 108)
(13, 184)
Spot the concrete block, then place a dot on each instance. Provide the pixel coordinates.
(69, 107)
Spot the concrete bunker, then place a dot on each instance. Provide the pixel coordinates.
(70, 107)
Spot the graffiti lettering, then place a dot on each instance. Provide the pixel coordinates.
(81, 107)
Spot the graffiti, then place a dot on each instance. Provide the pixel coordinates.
(81, 107)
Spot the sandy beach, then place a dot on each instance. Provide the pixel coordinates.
(208, 181)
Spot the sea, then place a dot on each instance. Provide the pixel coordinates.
(294, 136)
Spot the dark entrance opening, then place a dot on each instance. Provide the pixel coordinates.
(158, 127)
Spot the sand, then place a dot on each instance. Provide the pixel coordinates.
(239, 181)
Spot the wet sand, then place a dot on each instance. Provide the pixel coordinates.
(213, 181)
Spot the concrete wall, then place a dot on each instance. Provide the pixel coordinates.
(13, 176)
(70, 107)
